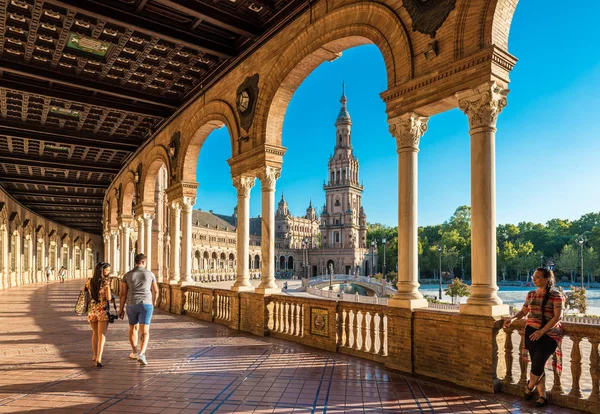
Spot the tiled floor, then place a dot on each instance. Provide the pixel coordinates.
(194, 366)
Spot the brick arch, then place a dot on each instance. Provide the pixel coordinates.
(112, 209)
(481, 24)
(343, 28)
(127, 194)
(207, 118)
(157, 157)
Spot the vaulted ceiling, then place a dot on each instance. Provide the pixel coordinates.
(83, 83)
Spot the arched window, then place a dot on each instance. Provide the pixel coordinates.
(77, 258)
(290, 262)
(282, 263)
(257, 262)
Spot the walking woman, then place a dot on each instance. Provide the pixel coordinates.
(99, 288)
(543, 332)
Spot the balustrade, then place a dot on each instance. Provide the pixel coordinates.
(286, 316)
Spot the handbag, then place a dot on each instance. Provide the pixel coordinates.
(83, 302)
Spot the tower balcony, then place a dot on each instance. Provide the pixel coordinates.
(331, 185)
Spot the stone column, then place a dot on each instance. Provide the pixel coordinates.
(268, 177)
(124, 266)
(175, 242)
(114, 271)
(408, 129)
(243, 186)
(147, 242)
(186, 248)
(106, 246)
(140, 224)
(482, 106)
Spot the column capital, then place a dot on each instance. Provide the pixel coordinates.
(483, 104)
(188, 204)
(176, 207)
(147, 216)
(408, 130)
(268, 176)
(243, 184)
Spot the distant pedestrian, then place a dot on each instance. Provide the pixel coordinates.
(99, 288)
(48, 273)
(543, 332)
(62, 274)
(139, 290)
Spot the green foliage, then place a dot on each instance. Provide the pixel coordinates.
(520, 247)
(457, 289)
(576, 299)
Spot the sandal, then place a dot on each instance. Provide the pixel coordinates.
(542, 403)
(529, 391)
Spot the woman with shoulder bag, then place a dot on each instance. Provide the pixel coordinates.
(99, 288)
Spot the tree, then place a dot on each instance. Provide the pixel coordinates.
(457, 289)
(507, 256)
(523, 258)
(576, 299)
(568, 260)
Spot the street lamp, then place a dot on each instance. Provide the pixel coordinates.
(384, 240)
(542, 261)
(462, 267)
(581, 241)
(439, 249)
(330, 276)
(372, 258)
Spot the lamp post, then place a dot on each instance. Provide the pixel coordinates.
(542, 261)
(384, 240)
(439, 249)
(462, 267)
(372, 258)
(330, 276)
(581, 241)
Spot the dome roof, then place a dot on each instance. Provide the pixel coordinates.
(343, 115)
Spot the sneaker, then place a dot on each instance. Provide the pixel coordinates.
(133, 355)
(142, 359)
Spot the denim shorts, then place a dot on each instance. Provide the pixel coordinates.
(140, 313)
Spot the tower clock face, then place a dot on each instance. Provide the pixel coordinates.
(243, 101)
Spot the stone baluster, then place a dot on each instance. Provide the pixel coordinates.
(408, 130)
(360, 331)
(482, 105)
(344, 325)
(508, 355)
(372, 335)
(381, 334)
(576, 368)
(524, 379)
(557, 388)
(595, 370)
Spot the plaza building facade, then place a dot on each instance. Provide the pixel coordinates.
(305, 246)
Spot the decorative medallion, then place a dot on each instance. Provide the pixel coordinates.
(319, 322)
(429, 15)
(245, 101)
(206, 303)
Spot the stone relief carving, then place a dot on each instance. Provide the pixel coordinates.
(246, 97)
(408, 130)
(428, 15)
(482, 105)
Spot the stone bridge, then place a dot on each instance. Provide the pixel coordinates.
(369, 283)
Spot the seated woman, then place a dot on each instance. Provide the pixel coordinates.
(99, 288)
(543, 333)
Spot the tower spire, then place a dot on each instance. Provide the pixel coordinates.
(343, 116)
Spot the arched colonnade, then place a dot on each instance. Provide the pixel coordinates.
(438, 56)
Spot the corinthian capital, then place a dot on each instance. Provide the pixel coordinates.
(268, 177)
(188, 203)
(243, 185)
(408, 130)
(176, 207)
(483, 104)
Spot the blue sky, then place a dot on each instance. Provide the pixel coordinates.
(547, 143)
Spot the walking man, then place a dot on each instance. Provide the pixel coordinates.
(139, 290)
